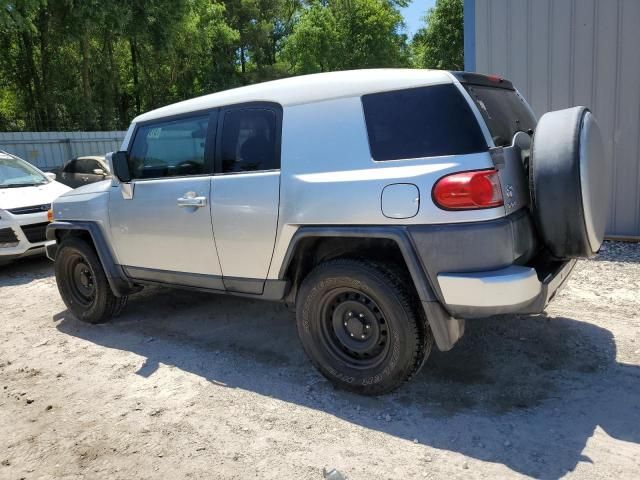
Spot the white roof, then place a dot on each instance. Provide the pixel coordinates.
(308, 88)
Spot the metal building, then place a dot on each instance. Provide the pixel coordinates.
(561, 53)
(52, 149)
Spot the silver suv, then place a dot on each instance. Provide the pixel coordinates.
(387, 206)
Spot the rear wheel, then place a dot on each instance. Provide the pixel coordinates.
(360, 326)
(82, 283)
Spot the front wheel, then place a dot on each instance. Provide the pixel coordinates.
(361, 327)
(82, 283)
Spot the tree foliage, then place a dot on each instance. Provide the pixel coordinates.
(95, 64)
(345, 34)
(440, 43)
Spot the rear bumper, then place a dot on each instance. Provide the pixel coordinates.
(488, 268)
(514, 289)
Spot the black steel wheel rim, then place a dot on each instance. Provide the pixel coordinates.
(81, 280)
(353, 329)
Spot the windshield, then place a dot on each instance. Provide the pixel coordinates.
(504, 111)
(15, 172)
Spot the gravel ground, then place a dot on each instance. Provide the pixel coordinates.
(188, 385)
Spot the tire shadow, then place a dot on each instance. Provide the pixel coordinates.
(526, 392)
(623, 252)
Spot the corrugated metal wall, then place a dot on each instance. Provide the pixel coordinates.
(52, 149)
(561, 53)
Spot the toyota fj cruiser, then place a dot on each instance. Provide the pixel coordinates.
(387, 206)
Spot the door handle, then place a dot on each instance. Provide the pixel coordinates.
(188, 201)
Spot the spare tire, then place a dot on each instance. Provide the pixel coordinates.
(569, 180)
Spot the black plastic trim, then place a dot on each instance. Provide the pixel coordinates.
(210, 282)
(472, 78)
(475, 246)
(446, 329)
(8, 235)
(245, 287)
(399, 234)
(431, 249)
(116, 277)
(31, 209)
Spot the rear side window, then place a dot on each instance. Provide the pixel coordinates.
(249, 140)
(504, 111)
(169, 149)
(421, 122)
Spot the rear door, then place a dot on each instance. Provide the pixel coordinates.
(511, 123)
(246, 193)
(162, 231)
(503, 109)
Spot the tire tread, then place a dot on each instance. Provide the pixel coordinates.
(393, 279)
(113, 305)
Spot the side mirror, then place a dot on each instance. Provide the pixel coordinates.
(50, 175)
(120, 161)
(99, 171)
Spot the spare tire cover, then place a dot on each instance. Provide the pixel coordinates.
(570, 183)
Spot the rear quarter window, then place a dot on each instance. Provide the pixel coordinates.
(421, 122)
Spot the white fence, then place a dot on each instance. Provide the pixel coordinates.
(52, 149)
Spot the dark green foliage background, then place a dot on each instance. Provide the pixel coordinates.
(94, 65)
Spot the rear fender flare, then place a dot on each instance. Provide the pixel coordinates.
(446, 330)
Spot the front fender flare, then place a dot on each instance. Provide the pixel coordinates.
(120, 285)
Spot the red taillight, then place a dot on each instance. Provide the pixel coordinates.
(468, 190)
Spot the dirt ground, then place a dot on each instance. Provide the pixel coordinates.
(189, 385)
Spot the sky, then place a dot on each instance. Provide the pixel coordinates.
(414, 12)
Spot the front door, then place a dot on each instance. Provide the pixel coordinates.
(161, 223)
(246, 193)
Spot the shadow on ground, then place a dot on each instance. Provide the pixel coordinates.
(25, 270)
(623, 252)
(524, 392)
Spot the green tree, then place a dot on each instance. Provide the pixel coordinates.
(87, 64)
(92, 64)
(346, 34)
(439, 44)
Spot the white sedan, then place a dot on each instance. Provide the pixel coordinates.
(26, 194)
